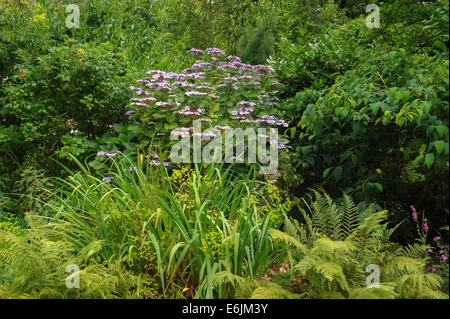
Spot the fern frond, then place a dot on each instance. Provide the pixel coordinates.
(287, 239)
(385, 291)
(332, 271)
(403, 264)
(226, 277)
(326, 244)
(348, 220)
(419, 285)
(273, 291)
(415, 250)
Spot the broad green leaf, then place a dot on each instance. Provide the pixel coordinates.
(337, 174)
(325, 172)
(429, 159)
(439, 145)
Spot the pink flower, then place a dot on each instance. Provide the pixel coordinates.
(430, 250)
(425, 227)
(444, 257)
(433, 269)
(414, 214)
(437, 238)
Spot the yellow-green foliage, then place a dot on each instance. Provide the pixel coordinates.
(9, 223)
(273, 202)
(36, 263)
(251, 288)
(335, 246)
(270, 200)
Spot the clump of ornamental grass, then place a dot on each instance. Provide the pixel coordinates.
(170, 229)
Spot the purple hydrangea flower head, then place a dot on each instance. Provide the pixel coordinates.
(195, 51)
(215, 52)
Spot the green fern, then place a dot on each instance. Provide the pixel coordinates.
(337, 243)
(251, 288)
(36, 267)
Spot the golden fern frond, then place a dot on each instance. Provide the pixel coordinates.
(419, 285)
(326, 244)
(332, 214)
(306, 263)
(227, 277)
(37, 269)
(384, 291)
(291, 227)
(332, 271)
(365, 234)
(273, 291)
(415, 250)
(308, 234)
(325, 214)
(403, 264)
(288, 240)
(433, 294)
(318, 218)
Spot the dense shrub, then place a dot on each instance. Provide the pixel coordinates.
(370, 118)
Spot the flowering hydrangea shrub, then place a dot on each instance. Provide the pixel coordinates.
(218, 90)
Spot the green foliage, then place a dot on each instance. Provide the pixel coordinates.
(252, 289)
(272, 202)
(77, 87)
(370, 107)
(11, 223)
(217, 90)
(153, 226)
(60, 88)
(257, 45)
(36, 268)
(391, 111)
(367, 111)
(334, 248)
(31, 191)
